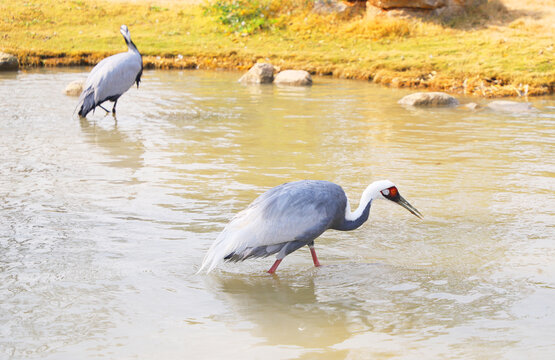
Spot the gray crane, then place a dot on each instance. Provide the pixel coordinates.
(290, 216)
(111, 77)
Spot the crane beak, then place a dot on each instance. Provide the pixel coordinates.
(404, 203)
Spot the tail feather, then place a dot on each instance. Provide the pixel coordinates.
(234, 239)
(86, 102)
(213, 257)
(223, 246)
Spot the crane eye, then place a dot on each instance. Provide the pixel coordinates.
(390, 193)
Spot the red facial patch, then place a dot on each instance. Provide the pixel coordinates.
(393, 191)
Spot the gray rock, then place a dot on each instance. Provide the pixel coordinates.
(74, 88)
(258, 74)
(472, 106)
(8, 62)
(293, 77)
(429, 99)
(420, 8)
(329, 7)
(339, 7)
(419, 4)
(510, 106)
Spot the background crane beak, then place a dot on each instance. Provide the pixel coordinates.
(404, 203)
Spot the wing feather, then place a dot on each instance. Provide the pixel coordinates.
(115, 76)
(111, 77)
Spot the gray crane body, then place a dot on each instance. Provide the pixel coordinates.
(112, 77)
(299, 212)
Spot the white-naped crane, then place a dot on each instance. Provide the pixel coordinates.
(111, 77)
(290, 216)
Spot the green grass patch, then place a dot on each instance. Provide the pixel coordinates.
(243, 16)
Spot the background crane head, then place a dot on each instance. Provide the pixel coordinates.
(125, 32)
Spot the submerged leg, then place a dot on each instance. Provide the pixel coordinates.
(114, 108)
(313, 253)
(102, 107)
(274, 267)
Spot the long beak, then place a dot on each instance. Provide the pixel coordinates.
(404, 203)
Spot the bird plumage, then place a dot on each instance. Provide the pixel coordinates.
(111, 77)
(281, 215)
(287, 217)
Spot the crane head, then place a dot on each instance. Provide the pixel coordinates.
(126, 34)
(389, 191)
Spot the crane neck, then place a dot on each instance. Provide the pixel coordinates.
(131, 46)
(354, 219)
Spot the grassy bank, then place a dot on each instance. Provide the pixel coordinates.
(490, 52)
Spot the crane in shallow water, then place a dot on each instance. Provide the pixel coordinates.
(111, 77)
(290, 216)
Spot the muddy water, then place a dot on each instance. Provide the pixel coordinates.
(104, 223)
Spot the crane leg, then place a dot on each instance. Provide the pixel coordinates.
(102, 107)
(274, 267)
(114, 108)
(314, 257)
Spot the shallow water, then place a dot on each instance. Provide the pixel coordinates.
(103, 224)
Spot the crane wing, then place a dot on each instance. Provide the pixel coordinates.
(115, 75)
(109, 79)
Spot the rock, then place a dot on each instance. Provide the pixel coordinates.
(418, 4)
(404, 8)
(429, 99)
(329, 7)
(338, 7)
(260, 73)
(472, 106)
(293, 77)
(510, 106)
(456, 7)
(8, 62)
(395, 82)
(74, 88)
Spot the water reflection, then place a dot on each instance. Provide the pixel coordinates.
(8, 75)
(293, 314)
(322, 308)
(123, 151)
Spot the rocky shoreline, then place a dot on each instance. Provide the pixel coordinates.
(485, 87)
(265, 73)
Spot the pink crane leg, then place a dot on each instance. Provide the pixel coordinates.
(314, 257)
(274, 267)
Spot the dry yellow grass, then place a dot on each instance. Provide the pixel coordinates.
(499, 49)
